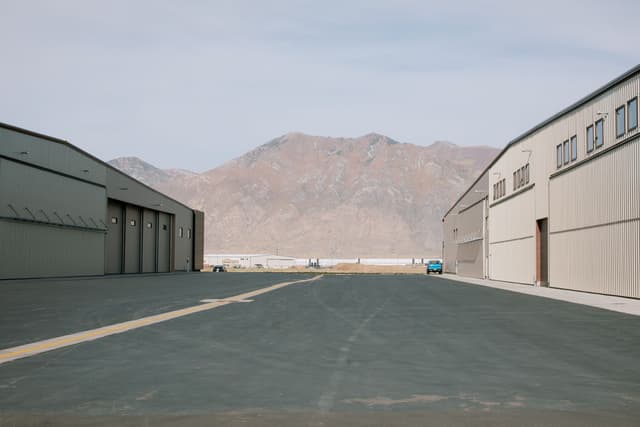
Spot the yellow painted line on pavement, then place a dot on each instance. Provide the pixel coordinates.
(32, 349)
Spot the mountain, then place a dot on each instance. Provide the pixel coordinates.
(311, 196)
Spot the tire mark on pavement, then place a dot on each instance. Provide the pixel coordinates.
(327, 399)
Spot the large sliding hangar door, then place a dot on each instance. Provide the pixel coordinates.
(138, 240)
(149, 241)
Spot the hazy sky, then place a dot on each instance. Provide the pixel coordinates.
(192, 84)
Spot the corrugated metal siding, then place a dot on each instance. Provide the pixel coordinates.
(470, 259)
(467, 216)
(470, 241)
(600, 191)
(53, 225)
(512, 239)
(594, 224)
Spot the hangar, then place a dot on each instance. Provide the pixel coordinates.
(560, 205)
(64, 212)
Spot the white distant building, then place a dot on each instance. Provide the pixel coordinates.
(250, 260)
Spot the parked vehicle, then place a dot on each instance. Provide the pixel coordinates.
(219, 269)
(434, 266)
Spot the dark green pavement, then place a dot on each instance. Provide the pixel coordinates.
(349, 347)
(33, 310)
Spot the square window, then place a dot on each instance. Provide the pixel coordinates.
(559, 156)
(566, 151)
(574, 147)
(620, 124)
(599, 133)
(114, 220)
(632, 112)
(149, 225)
(590, 139)
(132, 222)
(164, 227)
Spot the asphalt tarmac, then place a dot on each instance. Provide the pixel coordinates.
(343, 350)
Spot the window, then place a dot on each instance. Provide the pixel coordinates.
(599, 133)
(574, 147)
(620, 124)
(515, 182)
(526, 173)
(180, 232)
(114, 220)
(559, 156)
(149, 225)
(164, 227)
(132, 222)
(566, 151)
(590, 139)
(632, 111)
(189, 233)
(519, 177)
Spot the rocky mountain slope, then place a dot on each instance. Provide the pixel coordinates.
(310, 196)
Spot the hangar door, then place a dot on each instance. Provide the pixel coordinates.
(164, 242)
(132, 237)
(149, 237)
(113, 241)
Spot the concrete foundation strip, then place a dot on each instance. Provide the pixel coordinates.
(38, 347)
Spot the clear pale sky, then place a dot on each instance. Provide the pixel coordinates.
(192, 84)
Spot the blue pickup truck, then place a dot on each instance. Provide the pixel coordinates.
(434, 266)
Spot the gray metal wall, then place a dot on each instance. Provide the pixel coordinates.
(42, 212)
(198, 240)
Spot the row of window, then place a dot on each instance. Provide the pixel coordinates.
(628, 113)
(626, 121)
(133, 223)
(181, 232)
(521, 177)
(499, 189)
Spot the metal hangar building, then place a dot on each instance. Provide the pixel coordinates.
(64, 212)
(560, 205)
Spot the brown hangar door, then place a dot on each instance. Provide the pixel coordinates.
(542, 252)
(132, 237)
(113, 240)
(164, 242)
(149, 239)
